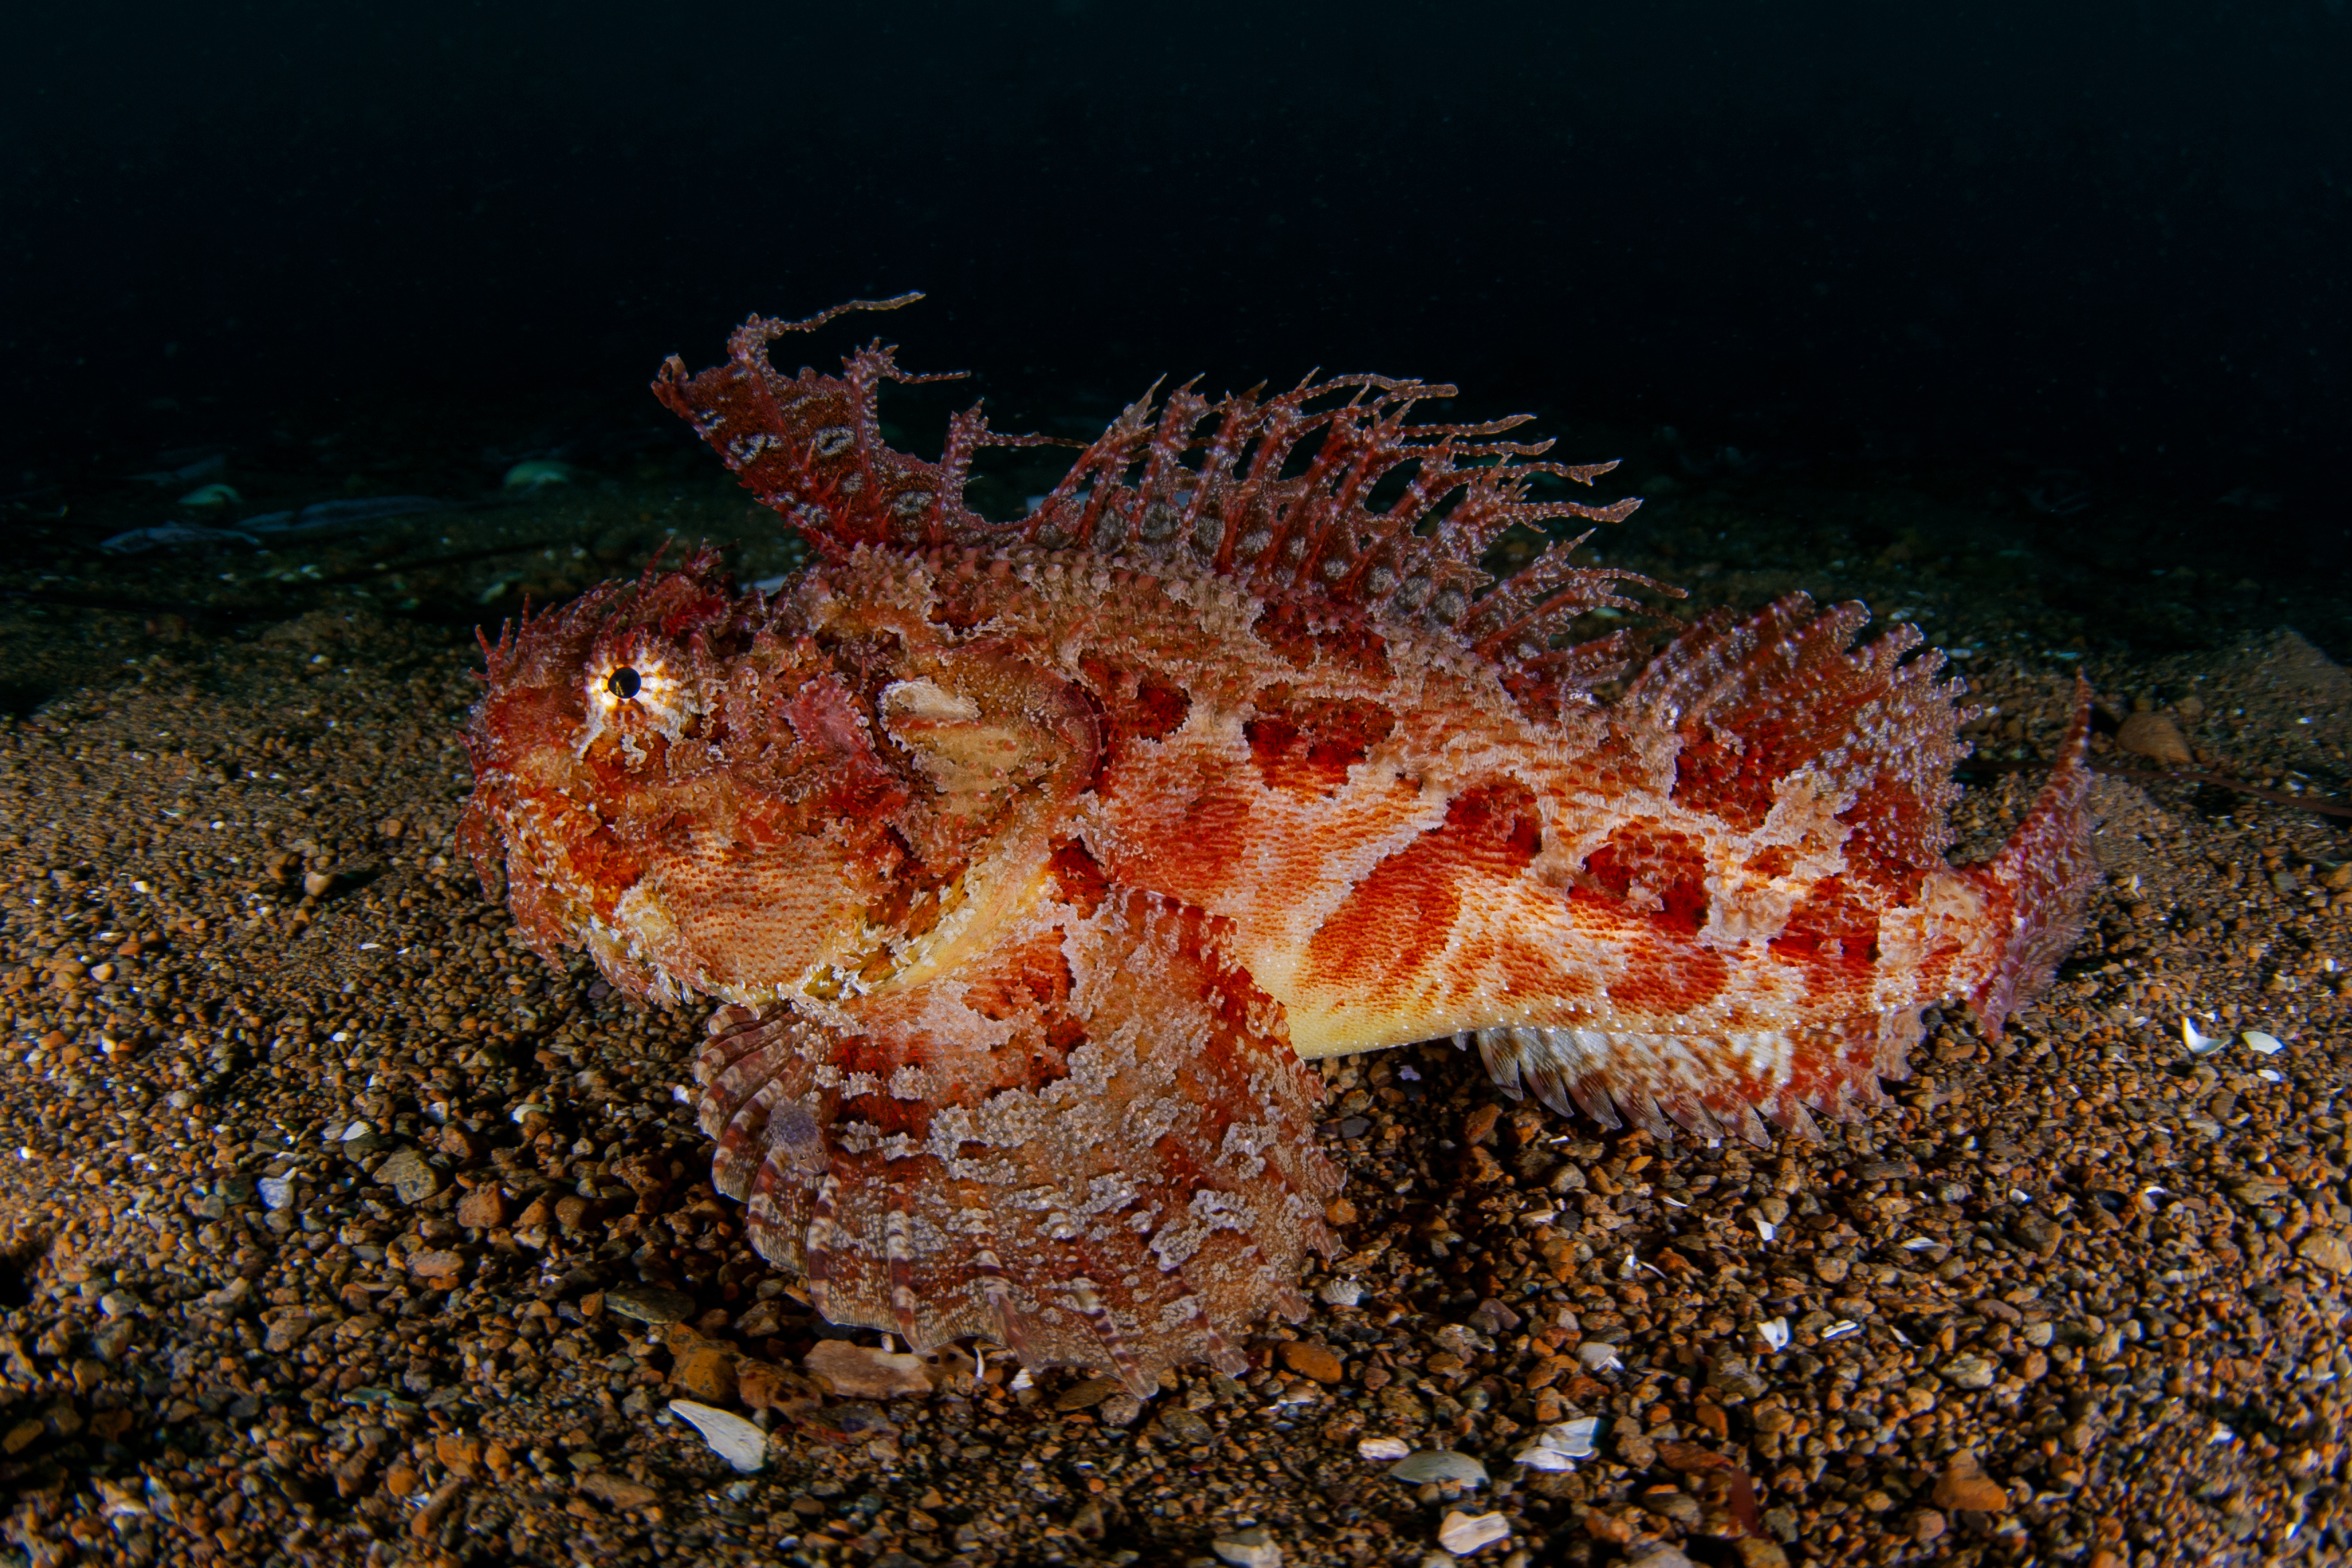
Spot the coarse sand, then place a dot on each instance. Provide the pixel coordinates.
(339, 1229)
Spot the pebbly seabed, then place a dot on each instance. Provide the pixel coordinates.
(339, 1229)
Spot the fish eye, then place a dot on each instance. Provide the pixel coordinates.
(623, 683)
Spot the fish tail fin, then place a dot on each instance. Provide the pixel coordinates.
(2040, 882)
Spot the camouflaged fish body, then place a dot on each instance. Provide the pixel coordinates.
(1029, 859)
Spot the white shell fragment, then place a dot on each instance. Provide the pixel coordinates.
(1341, 1293)
(2200, 1044)
(1767, 1229)
(1774, 1332)
(1383, 1450)
(731, 1437)
(2261, 1044)
(1559, 1447)
(1596, 1356)
(1840, 1329)
(1462, 1533)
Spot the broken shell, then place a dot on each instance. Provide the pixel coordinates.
(1462, 1533)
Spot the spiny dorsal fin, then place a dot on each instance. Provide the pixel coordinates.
(1275, 492)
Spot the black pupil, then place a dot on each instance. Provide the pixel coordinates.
(621, 682)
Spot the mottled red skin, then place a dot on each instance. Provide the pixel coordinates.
(1029, 859)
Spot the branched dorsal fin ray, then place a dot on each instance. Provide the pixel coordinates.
(1189, 485)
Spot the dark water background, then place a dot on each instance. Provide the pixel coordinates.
(2099, 248)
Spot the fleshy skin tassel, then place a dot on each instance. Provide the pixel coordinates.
(1028, 860)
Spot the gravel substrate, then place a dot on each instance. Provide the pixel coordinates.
(337, 1229)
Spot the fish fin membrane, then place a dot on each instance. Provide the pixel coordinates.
(1135, 1192)
(2040, 883)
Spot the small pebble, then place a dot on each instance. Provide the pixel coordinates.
(1250, 1548)
(1440, 1465)
(410, 1176)
(656, 1305)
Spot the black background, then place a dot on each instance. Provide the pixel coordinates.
(2108, 237)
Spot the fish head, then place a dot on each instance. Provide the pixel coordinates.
(802, 797)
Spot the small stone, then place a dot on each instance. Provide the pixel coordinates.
(1755, 1551)
(436, 1266)
(231, 1297)
(21, 1436)
(2039, 1231)
(1462, 1533)
(1971, 1371)
(1085, 1396)
(315, 883)
(483, 1208)
(617, 1491)
(1965, 1486)
(277, 1192)
(1636, 1451)
(1120, 1410)
(1492, 1317)
(572, 1212)
(2153, 735)
(2328, 1249)
(460, 1453)
(400, 1479)
(653, 1304)
(1186, 1428)
(731, 1437)
(1659, 1555)
(1382, 1450)
(288, 1330)
(1250, 1548)
(1831, 1270)
(1926, 1526)
(1616, 1528)
(761, 1384)
(1310, 1359)
(411, 1178)
(855, 1372)
(1440, 1465)
(705, 1369)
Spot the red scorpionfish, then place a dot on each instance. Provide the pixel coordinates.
(1029, 860)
